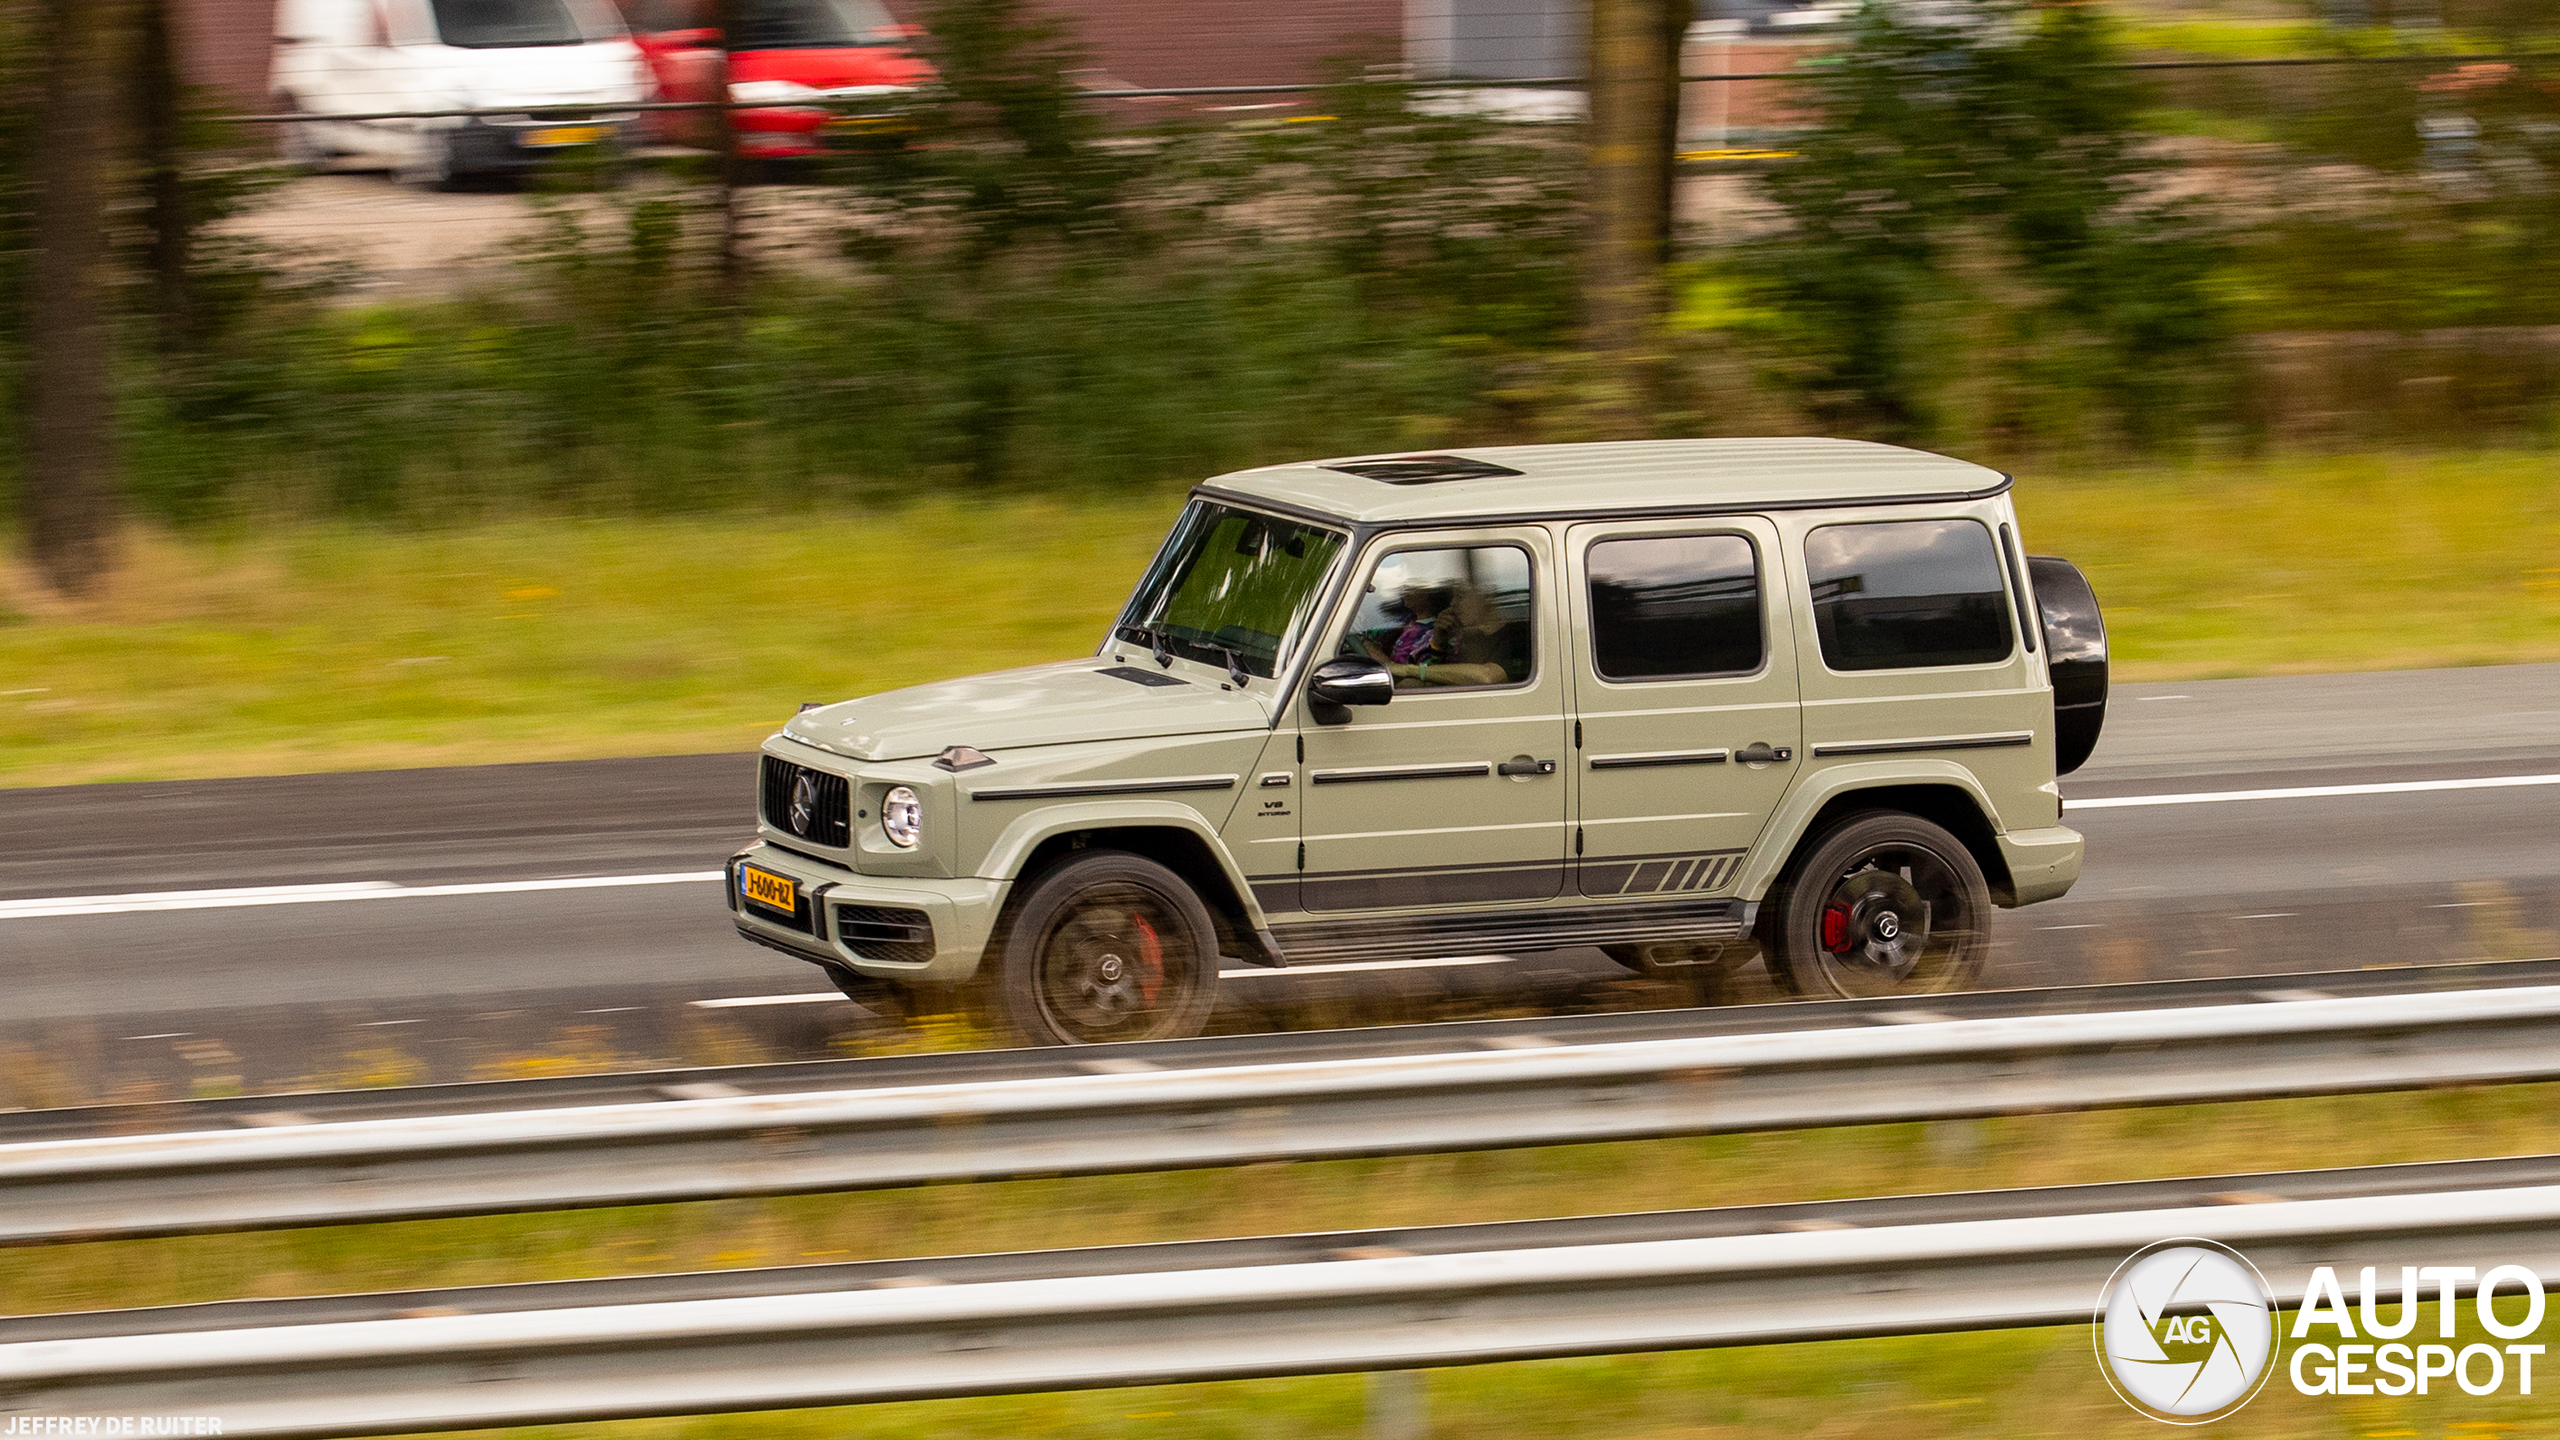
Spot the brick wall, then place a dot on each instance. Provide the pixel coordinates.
(1139, 43)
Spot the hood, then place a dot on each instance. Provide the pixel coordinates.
(1067, 703)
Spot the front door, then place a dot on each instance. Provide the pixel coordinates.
(1452, 793)
(1684, 673)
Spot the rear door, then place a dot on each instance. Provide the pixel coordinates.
(1685, 701)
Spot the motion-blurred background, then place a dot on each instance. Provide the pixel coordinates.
(415, 388)
(468, 432)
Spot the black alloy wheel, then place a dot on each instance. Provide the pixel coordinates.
(1882, 904)
(1108, 946)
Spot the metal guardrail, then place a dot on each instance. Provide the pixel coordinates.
(1360, 1309)
(1157, 1120)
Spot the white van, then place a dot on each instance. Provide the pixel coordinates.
(365, 57)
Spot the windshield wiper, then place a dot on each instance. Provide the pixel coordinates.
(1154, 636)
(1235, 668)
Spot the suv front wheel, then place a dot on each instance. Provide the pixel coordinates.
(1108, 946)
(1883, 904)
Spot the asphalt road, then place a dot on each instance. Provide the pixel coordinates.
(483, 980)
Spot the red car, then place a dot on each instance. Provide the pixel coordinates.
(784, 51)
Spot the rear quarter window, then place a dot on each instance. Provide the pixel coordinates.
(1907, 595)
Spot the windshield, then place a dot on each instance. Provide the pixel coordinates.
(508, 24)
(1231, 581)
(810, 24)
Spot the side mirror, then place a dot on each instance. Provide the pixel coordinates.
(1348, 680)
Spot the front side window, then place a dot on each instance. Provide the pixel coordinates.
(1457, 618)
(1231, 586)
(1907, 594)
(511, 24)
(1674, 607)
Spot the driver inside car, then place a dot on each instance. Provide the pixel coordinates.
(1430, 645)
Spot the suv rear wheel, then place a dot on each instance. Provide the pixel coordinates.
(1882, 904)
(1108, 946)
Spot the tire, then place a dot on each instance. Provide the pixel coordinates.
(1109, 946)
(1881, 904)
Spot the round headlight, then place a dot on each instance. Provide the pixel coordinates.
(902, 817)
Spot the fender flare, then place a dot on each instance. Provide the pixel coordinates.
(1786, 830)
(1013, 847)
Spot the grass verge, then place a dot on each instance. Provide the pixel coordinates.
(329, 647)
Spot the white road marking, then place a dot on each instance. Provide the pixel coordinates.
(732, 1002)
(319, 894)
(2311, 792)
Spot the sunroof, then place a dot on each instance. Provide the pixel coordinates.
(1423, 469)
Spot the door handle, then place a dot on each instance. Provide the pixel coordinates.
(1523, 765)
(1761, 752)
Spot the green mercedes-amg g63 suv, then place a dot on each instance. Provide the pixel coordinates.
(1695, 702)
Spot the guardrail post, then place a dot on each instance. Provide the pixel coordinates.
(1399, 1407)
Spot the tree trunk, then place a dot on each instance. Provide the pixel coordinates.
(160, 96)
(1635, 89)
(733, 263)
(69, 489)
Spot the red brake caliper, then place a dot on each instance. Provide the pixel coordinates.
(1835, 929)
(1151, 951)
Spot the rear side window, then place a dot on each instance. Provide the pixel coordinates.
(1907, 594)
(1674, 607)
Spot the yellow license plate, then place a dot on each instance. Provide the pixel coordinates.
(565, 135)
(779, 891)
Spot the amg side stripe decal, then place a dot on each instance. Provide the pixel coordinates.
(1660, 874)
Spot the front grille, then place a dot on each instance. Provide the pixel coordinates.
(829, 817)
(878, 933)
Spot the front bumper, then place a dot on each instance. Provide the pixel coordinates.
(507, 145)
(2042, 863)
(859, 922)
